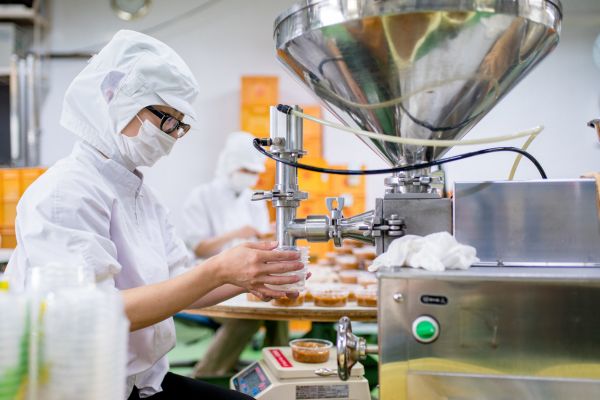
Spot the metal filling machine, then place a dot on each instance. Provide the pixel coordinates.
(521, 324)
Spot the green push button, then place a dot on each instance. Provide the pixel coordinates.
(425, 329)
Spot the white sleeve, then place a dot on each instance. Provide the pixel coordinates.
(196, 220)
(178, 257)
(60, 223)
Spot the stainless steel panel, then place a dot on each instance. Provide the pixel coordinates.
(421, 216)
(525, 330)
(478, 387)
(529, 222)
(417, 69)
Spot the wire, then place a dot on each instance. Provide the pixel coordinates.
(411, 141)
(258, 146)
(513, 170)
(530, 133)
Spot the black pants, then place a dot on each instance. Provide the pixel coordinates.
(179, 387)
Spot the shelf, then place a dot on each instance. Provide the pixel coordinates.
(19, 14)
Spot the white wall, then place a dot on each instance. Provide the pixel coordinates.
(234, 38)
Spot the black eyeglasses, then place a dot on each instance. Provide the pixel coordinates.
(170, 124)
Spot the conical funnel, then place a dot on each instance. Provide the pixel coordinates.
(414, 68)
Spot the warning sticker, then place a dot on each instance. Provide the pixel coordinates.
(280, 358)
(322, 392)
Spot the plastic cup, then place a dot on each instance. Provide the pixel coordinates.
(332, 296)
(367, 297)
(311, 351)
(301, 274)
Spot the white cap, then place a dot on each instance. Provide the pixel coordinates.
(239, 153)
(131, 72)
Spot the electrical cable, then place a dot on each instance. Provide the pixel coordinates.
(530, 133)
(258, 146)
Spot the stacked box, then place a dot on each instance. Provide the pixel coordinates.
(13, 183)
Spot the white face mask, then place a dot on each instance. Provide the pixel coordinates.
(147, 147)
(241, 181)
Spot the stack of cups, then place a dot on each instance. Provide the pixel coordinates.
(85, 350)
(297, 286)
(53, 277)
(14, 343)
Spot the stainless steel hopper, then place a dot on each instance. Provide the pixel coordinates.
(414, 68)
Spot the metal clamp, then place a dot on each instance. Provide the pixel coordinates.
(336, 212)
(277, 195)
(336, 216)
(396, 226)
(265, 195)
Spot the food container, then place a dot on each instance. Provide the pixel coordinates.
(311, 351)
(325, 262)
(351, 291)
(311, 287)
(352, 243)
(367, 297)
(330, 257)
(347, 262)
(297, 286)
(322, 274)
(252, 297)
(349, 276)
(366, 279)
(289, 301)
(330, 297)
(308, 297)
(365, 253)
(344, 250)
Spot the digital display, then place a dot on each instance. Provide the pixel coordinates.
(252, 381)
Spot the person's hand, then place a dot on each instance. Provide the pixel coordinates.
(245, 232)
(250, 266)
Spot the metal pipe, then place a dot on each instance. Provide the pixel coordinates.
(286, 134)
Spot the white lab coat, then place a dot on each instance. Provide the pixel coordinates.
(92, 208)
(88, 210)
(214, 209)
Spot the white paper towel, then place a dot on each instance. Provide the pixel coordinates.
(435, 252)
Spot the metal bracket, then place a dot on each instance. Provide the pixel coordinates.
(276, 195)
(336, 215)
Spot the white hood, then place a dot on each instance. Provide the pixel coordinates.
(131, 72)
(239, 153)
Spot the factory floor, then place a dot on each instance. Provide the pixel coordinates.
(193, 341)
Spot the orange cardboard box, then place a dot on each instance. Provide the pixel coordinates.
(260, 90)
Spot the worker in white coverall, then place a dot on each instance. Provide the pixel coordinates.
(218, 215)
(92, 208)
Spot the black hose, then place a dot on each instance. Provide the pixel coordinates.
(257, 145)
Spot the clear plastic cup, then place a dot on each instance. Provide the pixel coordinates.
(365, 253)
(289, 301)
(54, 276)
(367, 279)
(296, 286)
(330, 296)
(311, 351)
(347, 262)
(352, 289)
(367, 297)
(349, 276)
